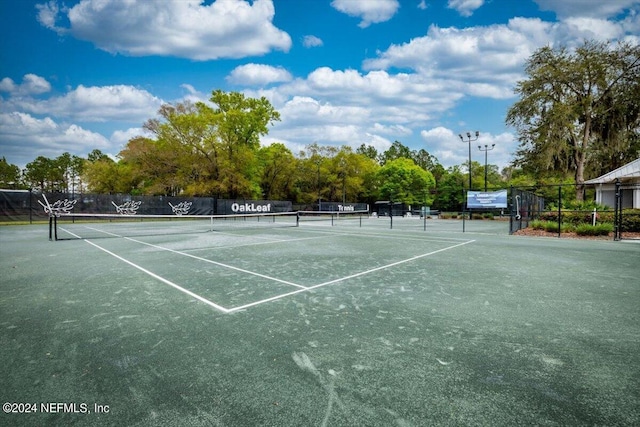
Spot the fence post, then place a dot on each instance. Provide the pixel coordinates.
(617, 213)
(559, 210)
(512, 211)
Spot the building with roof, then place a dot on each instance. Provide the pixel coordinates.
(629, 176)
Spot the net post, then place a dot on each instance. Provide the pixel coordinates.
(617, 214)
(511, 213)
(55, 227)
(464, 213)
(50, 228)
(298, 219)
(559, 211)
(424, 217)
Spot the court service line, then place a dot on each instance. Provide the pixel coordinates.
(155, 276)
(254, 243)
(331, 282)
(205, 260)
(231, 267)
(427, 238)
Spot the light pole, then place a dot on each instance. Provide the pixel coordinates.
(485, 149)
(469, 140)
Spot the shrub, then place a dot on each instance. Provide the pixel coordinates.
(549, 216)
(537, 224)
(550, 226)
(602, 229)
(630, 220)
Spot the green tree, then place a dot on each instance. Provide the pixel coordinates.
(450, 194)
(278, 167)
(185, 155)
(70, 167)
(575, 104)
(204, 150)
(397, 150)
(368, 151)
(401, 180)
(240, 123)
(44, 174)
(9, 174)
(105, 176)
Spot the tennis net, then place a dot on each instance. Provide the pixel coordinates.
(93, 226)
(333, 218)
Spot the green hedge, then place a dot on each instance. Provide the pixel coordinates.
(602, 229)
(630, 218)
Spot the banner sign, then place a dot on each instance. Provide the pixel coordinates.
(486, 200)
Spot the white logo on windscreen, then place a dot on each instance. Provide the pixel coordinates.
(181, 208)
(127, 208)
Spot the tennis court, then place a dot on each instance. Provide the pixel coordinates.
(321, 323)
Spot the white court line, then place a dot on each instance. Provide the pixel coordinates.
(255, 303)
(155, 276)
(254, 243)
(362, 273)
(253, 273)
(427, 238)
(389, 265)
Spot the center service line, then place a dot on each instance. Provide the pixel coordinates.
(362, 273)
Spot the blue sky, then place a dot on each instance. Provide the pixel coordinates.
(80, 75)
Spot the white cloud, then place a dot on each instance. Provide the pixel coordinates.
(483, 61)
(181, 28)
(395, 131)
(422, 5)
(48, 15)
(258, 75)
(591, 8)
(120, 138)
(586, 28)
(31, 85)
(45, 137)
(311, 41)
(307, 110)
(371, 12)
(488, 61)
(465, 7)
(93, 104)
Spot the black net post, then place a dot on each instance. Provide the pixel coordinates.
(464, 213)
(559, 210)
(617, 214)
(53, 227)
(513, 210)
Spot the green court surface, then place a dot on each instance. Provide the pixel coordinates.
(354, 324)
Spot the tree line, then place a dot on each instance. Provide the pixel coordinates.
(577, 117)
